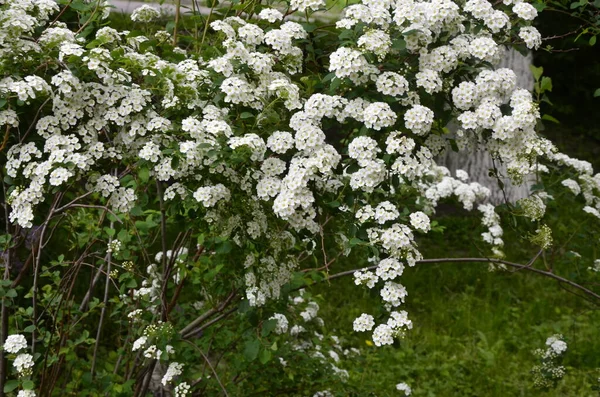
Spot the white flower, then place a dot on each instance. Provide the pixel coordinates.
(405, 388)
(59, 176)
(418, 119)
(379, 115)
(420, 221)
(23, 363)
(390, 83)
(139, 343)
(364, 323)
(383, 335)
(270, 15)
(182, 390)
(531, 36)
(525, 11)
(26, 393)
(175, 369)
(15, 343)
(145, 13)
(282, 323)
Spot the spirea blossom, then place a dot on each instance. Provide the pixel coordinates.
(404, 388)
(270, 14)
(174, 370)
(418, 119)
(282, 323)
(145, 13)
(364, 323)
(391, 83)
(23, 363)
(15, 343)
(531, 36)
(525, 11)
(420, 221)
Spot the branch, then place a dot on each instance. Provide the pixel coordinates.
(211, 367)
(486, 260)
(188, 328)
(105, 303)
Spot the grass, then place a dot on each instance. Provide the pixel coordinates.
(474, 330)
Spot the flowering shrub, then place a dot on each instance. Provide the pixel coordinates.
(549, 371)
(247, 164)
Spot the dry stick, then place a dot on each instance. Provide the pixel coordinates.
(88, 294)
(484, 260)
(207, 314)
(73, 201)
(146, 380)
(208, 324)
(177, 247)
(36, 267)
(21, 274)
(211, 367)
(5, 140)
(33, 122)
(105, 301)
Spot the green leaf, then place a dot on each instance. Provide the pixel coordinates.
(224, 248)
(144, 174)
(355, 241)
(265, 356)
(597, 92)
(110, 232)
(246, 115)
(309, 27)
(268, 326)
(592, 40)
(539, 6)
(334, 204)
(11, 293)
(28, 385)
(399, 44)
(11, 385)
(546, 84)
(537, 72)
(251, 349)
(550, 118)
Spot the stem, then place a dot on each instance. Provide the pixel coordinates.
(206, 315)
(4, 310)
(36, 268)
(163, 240)
(208, 324)
(177, 11)
(105, 302)
(207, 23)
(211, 367)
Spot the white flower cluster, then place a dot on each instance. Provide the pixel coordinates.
(15, 343)
(282, 323)
(145, 13)
(23, 362)
(493, 236)
(549, 371)
(174, 370)
(404, 388)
